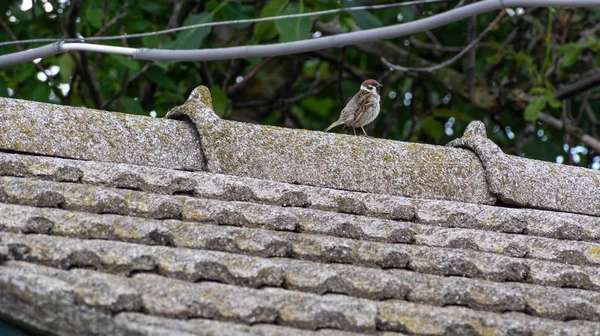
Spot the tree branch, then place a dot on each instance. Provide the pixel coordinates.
(574, 131)
(232, 89)
(126, 85)
(121, 14)
(355, 72)
(435, 47)
(451, 60)
(582, 85)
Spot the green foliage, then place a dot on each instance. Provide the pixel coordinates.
(364, 19)
(266, 30)
(67, 67)
(219, 100)
(534, 108)
(293, 29)
(235, 11)
(131, 105)
(570, 52)
(433, 128)
(157, 77)
(192, 39)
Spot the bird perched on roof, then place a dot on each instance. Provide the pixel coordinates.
(362, 109)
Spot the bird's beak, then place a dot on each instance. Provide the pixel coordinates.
(379, 85)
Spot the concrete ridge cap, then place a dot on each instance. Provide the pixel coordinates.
(532, 183)
(334, 161)
(88, 134)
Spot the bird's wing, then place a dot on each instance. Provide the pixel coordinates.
(349, 110)
(363, 105)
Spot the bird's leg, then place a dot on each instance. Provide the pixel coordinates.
(354, 129)
(364, 131)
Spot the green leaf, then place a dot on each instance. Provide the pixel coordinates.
(219, 100)
(153, 41)
(587, 43)
(522, 59)
(67, 66)
(495, 45)
(41, 92)
(25, 72)
(126, 62)
(266, 30)
(152, 7)
(552, 101)
(534, 108)
(408, 13)
(192, 39)
(570, 57)
(293, 29)
(433, 128)
(495, 59)
(94, 17)
(321, 107)
(159, 78)
(363, 18)
(139, 26)
(537, 90)
(236, 11)
(366, 20)
(132, 106)
(347, 22)
(3, 89)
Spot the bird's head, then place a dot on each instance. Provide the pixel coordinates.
(370, 85)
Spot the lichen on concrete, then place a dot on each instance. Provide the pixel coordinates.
(87, 134)
(531, 183)
(333, 160)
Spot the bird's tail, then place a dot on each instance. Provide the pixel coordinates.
(332, 126)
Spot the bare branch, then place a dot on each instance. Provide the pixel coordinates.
(574, 131)
(582, 85)
(451, 60)
(232, 89)
(121, 14)
(435, 47)
(124, 86)
(355, 72)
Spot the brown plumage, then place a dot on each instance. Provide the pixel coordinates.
(362, 109)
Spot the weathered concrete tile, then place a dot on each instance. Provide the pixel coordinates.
(49, 304)
(135, 203)
(420, 320)
(140, 324)
(529, 222)
(216, 186)
(191, 265)
(87, 134)
(266, 243)
(205, 185)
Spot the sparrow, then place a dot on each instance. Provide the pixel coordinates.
(362, 109)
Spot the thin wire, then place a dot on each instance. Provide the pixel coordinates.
(224, 23)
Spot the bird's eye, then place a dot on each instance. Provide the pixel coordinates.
(370, 87)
